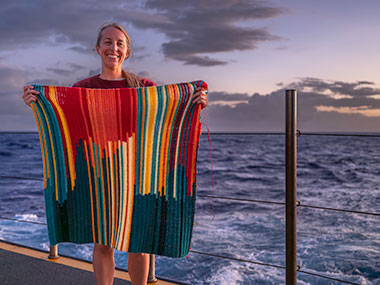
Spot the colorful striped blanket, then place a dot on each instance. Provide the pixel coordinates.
(120, 165)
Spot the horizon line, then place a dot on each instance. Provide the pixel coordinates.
(321, 133)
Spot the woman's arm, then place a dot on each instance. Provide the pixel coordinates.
(200, 97)
(30, 95)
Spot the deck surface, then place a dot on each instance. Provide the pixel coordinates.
(20, 265)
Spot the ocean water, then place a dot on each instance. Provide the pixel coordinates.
(336, 172)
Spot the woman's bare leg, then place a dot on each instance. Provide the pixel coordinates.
(138, 267)
(103, 263)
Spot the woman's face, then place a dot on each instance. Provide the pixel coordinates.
(112, 48)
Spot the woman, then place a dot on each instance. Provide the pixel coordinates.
(113, 47)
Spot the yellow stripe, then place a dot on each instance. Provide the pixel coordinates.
(116, 230)
(152, 112)
(131, 174)
(124, 192)
(70, 156)
(119, 222)
(164, 146)
(147, 146)
(142, 142)
(125, 185)
(42, 143)
(123, 189)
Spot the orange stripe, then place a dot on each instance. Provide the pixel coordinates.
(42, 143)
(134, 160)
(117, 192)
(142, 140)
(125, 196)
(131, 190)
(112, 189)
(109, 195)
(164, 145)
(152, 118)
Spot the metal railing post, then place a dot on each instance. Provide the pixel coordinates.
(291, 186)
(53, 252)
(151, 275)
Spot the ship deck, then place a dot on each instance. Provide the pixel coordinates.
(25, 265)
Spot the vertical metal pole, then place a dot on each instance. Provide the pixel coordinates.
(151, 275)
(53, 252)
(291, 187)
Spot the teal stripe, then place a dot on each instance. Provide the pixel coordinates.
(98, 192)
(58, 149)
(144, 129)
(169, 185)
(139, 131)
(49, 192)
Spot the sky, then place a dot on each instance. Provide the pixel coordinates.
(248, 51)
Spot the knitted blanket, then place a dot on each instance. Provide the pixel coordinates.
(119, 165)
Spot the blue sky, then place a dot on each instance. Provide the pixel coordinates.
(248, 52)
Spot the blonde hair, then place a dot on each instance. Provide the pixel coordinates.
(131, 79)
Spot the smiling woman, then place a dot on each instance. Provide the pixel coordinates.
(113, 47)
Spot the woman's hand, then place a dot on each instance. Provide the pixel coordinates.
(30, 95)
(200, 97)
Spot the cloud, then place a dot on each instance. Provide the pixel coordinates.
(143, 74)
(195, 29)
(81, 49)
(353, 89)
(227, 99)
(73, 67)
(13, 111)
(45, 81)
(11, 79)
(53, 22)
(363, 110)
(198, 60)
(14, 114)
(224, 96)
(319, 109)
(93, 72)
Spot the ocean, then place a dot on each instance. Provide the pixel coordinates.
(333, 172)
